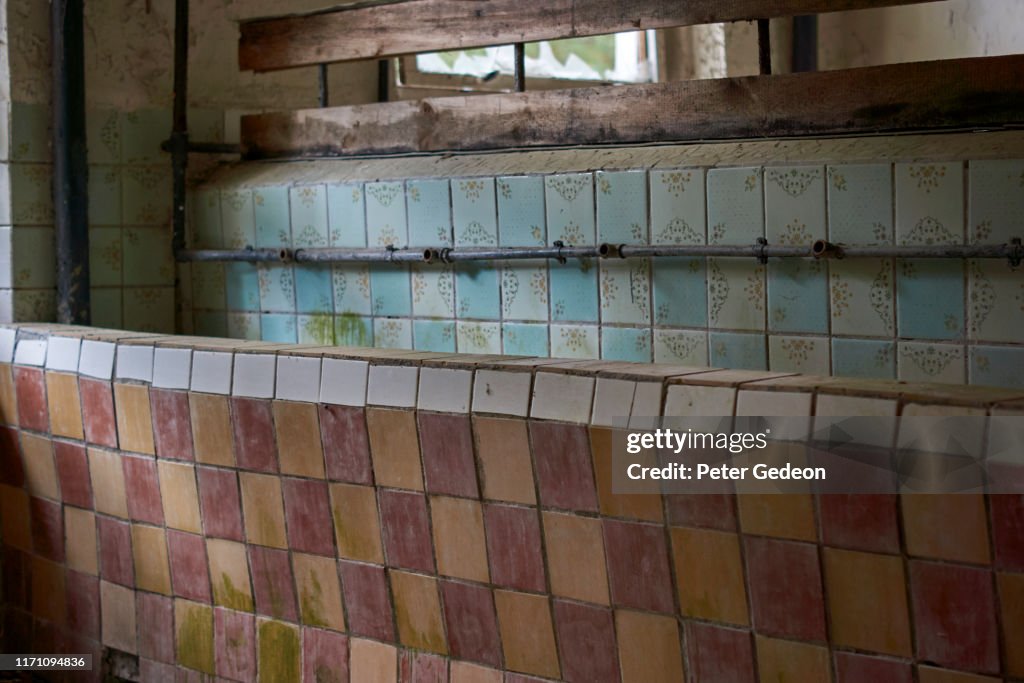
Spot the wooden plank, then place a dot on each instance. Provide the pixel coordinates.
(962, 93)
(396, 28)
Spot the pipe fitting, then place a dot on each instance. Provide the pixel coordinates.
(825, 249)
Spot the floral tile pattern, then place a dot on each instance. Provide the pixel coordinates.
(681, 347)
(626, 343)
(386, 215)
(308, 205)
(575, 341)
(860, 209)
(931, 363)
(346, 215)
(861, 297)
(472, 337)
(474, 212)
(865, 358)
(737, 350)
(929, 304)
(621, 207)
(434, 335)
(430, 213)
(806, 355)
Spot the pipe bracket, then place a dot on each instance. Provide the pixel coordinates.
(1016, 252)
(561, 245)
(760, 250)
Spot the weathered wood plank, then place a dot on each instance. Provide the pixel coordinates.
(391, 29)
(962, 93)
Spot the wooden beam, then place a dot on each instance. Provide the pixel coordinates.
(375, 30)
(961, 93)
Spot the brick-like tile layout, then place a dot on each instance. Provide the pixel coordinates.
(270, 539)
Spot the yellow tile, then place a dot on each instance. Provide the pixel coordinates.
(527, 636)
(15, 522)
(117, 605)
(211, 429)
(709, 569)
(316, 579)
(134, 422)
(49, 601)
(180, 496)
(506, 469)
(575, 548)
(394, 448)
(193, 625)
(649, 648)
(372, 662)
(867, 601)
(80, 537)
(8, 400)
(785, 660)
(40, 471)
(108, 483)
(298, 439)
(64, 405)
(263, 509)
(418, 612)
(783, 515)
(459, 542)
(356, 522)
(229, 574)
(149, 547)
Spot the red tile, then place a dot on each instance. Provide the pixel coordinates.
(152, 670)
(98, 412)
(954, 616)
(446, 443)
(115, 539)
(586, 642)
(638, 566)
(471, 622)
(253, 424)
(273, 583)
(47, 528)
(11, 471)
(1007, 512)
(785, 589)
(324, 656)
(142, 489)
(308, 515)
(722, 655)
(30, 388)
(172, 424)
(520, 678)
(406, 530)
(73, 473)
(367, 601)
(16, 578)
(189, 574)
(867, 522)
(83, 593)
(346, 445)
(222, 509)
(420, 667)
(234, 641)
(155, 619)
(708, 510)
(514, 547)
(565, 475)
(852, 668)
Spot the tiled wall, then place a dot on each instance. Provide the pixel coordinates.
(916, 320)
(233, 508)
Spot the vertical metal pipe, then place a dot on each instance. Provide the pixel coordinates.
(520, 73)
(179, 133)
(805, 43)
(383, 81)
(764, 46)
(70, 161)
(321, 72)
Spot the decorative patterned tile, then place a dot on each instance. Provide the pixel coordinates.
(681, 347)
(430, 213)
(390, 286)
(570, 219)
(434, 335)
(862, 293)
(346, 215)
(798, 296)
(931, 363)
(385, 215)
(806, 355)
(996, 366)
(930, 203)
(146, 195)
(142, 132)
(238, 219)
(626, 343)
(147, 257)
(677, 200)
(738, 351)
(735, 205)
(995, 301)
(478, 337)
(574, 290)
(33, 257)
(860, 209)
(736, 294)
(308, 205)
(477, 290)
(104, 195)
(103, 132)
(996, 201)
(273, 217)
(392, 334)
(351, 284)
(31, 199)
(621, 207)
(313, 289)
(625, 291)
(524, 290)
(575, 341)
(520, 339)
(929, 298)
(474, 212)
(521, 219)
(678, 286)
(866, 358)
(433, 291)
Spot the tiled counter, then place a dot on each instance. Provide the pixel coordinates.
(220, 507)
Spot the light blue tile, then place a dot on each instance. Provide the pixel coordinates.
(574, 290)
(207, 231)
(315, 329)
(313, 289)
(353, 330)
(243, 325)
(794, 198)
(385, 215)
(626, 291)
(622, 207)
(142, 133)
(521, 220)
(524, 290)
(278, 327)
(146, 194)
(997, 366)
(474, 212)
(430, 215)
(351, 283)
(477, 290)
(738, 351)
(626, 343)
(389, 286)
(346, 215)
(392, 334)
(273, 220)
(524, 339)
(678, 207)
(433, 291)
(863, 358)
(735, 205)
(680, 287)
(103, 136)
(860, 207)
(569, 208)
(211, 324)
(434, 335)
(277, 288)
(238, 219)
(208, 286)
(996, 200)
(930, 299)
(797, 296)
(105, 307)
(308, 215)
(104, 195)
(147, 257)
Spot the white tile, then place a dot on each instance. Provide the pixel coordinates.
(172, 368)
(646, 410)
(873, 423)
(298, 378)
(253, 375)
(343, 382)
(502, 393)
(1006, 437)
(211, 372)
(63, 354)
(135, 362)
(97, 359)
(7, 337)
(613, 399)
(557, 396)
(392, 385)
(794, 409)
(685, 400)
(445, 390)
(30, 352)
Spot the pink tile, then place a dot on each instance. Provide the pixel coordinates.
(98, 412)
(346, 445)
(446, 442)
(115, 539)
(30, 389)
(722, 655)
(514, 547)
(406, 530)
(234, 642)
(638, 566)
(586, 642)
(142, 489)
(472, 625)
(854, 668)
(785, 589)
(1007, 512)
(565, 475)
(155, 619)
(47, 528)
(172, 424)
(867, 522)
(253, 424)
(367, 601)
(954, 616)
(189, 573)
(324, 656)
(420, 667)
(707, 510)
(273, 583)
(222, 509)
(83, 593)
(73, 473)
(11, 471)
(152, 670)
(308, 513)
